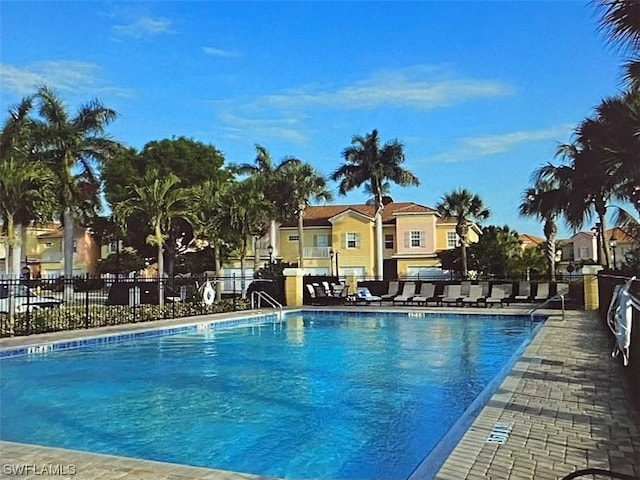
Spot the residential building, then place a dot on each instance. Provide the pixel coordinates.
(43, 254)
(341, 239)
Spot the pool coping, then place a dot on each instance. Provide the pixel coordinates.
(129, 469)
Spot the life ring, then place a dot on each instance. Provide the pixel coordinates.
(209, 294)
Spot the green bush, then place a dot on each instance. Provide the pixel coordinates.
(77, 317)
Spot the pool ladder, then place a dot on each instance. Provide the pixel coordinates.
(559, 296)
(258, 296)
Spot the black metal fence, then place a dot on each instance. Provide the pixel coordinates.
(48, 305)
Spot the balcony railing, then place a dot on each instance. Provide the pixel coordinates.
(51, 257)
(316, 252)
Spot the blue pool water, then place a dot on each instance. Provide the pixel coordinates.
(316, 396)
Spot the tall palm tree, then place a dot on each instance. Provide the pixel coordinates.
(267, 174)
(162, 200)
(544, 201)
(366, 161)
(25, 184)
(300, 185)
(621, 23)
(466, 208)
(244, 214)
(73, 146)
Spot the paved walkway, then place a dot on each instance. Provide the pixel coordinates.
(567, 408)
(565, 403)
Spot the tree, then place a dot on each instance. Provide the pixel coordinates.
(161, 200)
(299, 185)
(191, 161)
(621, 23)
(26, 185)
(465, 207)
(495, 250)
(544, 201)
(366, 161)
(267, 174)
(72, 146)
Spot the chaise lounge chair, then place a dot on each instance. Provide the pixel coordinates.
(500, 294)
(475, 296)
(426, 295)
(542, 292)
(363, 295)
(451, 295)
(524, 291)
(392, 291)
(408, 292)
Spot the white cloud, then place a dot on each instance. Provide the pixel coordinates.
(62, 75)
(474, 147)
(420, 87)
(218, 52)
(144, 27)
(287, 129)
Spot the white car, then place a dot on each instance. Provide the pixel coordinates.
(26, 299)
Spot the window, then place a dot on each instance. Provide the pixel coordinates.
(293, 238)
(353, 240)
(113, 247)
(48, 244)
(414, 239)
(452, 239)
(388, 241)
(583, 253)
(322, 240)
(75, 246)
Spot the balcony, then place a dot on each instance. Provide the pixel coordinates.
(316, 252)
(51, 257)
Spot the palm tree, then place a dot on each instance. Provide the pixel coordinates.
(162, 200)
(299, 186)
(465, 207)
(25, 184)
(621, 23)
(366, 161)
(72, 146)
(244, 214)
(267, 174)
(544, 201)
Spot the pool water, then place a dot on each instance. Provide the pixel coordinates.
(316, 396)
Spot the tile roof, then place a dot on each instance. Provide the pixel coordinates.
(320, 215)
(528, 239)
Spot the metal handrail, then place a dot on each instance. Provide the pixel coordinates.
(258, 295)
(599, 471)
(558, 296)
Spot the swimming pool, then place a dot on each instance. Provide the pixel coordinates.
(317, 395)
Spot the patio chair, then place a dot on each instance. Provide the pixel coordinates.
(475, 296)
(465, 288)
(524, 291)
(427, 294)
(408, 292)
(499, 295)
(392, 291)
(364, 295)
(542, 292)
(452, 295)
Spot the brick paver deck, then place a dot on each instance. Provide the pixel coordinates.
(568, 408)
(565, 401)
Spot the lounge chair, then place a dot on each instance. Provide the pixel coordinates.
(524, 291)
(475, 296)
(427, 294)
(408, 292)
(499, 294)
(364, 295)
(542, 292)
(451, 295)
(465, 288)
(392, 291)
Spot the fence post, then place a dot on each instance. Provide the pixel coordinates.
(590, 276)
(86, 305)
(173, 296)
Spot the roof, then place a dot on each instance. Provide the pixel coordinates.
(319, 216)
(619, 235)
(527, 239)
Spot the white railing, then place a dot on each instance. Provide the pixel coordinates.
(316, 252)
(51, 257)
(258, 296)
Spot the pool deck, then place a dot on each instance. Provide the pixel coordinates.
(565, 402)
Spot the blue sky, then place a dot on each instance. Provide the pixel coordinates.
(479, 92)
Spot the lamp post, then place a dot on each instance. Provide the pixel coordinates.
(331, 261)
(270, 252)
(596, 233)
(613, 243)
(337, 270)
